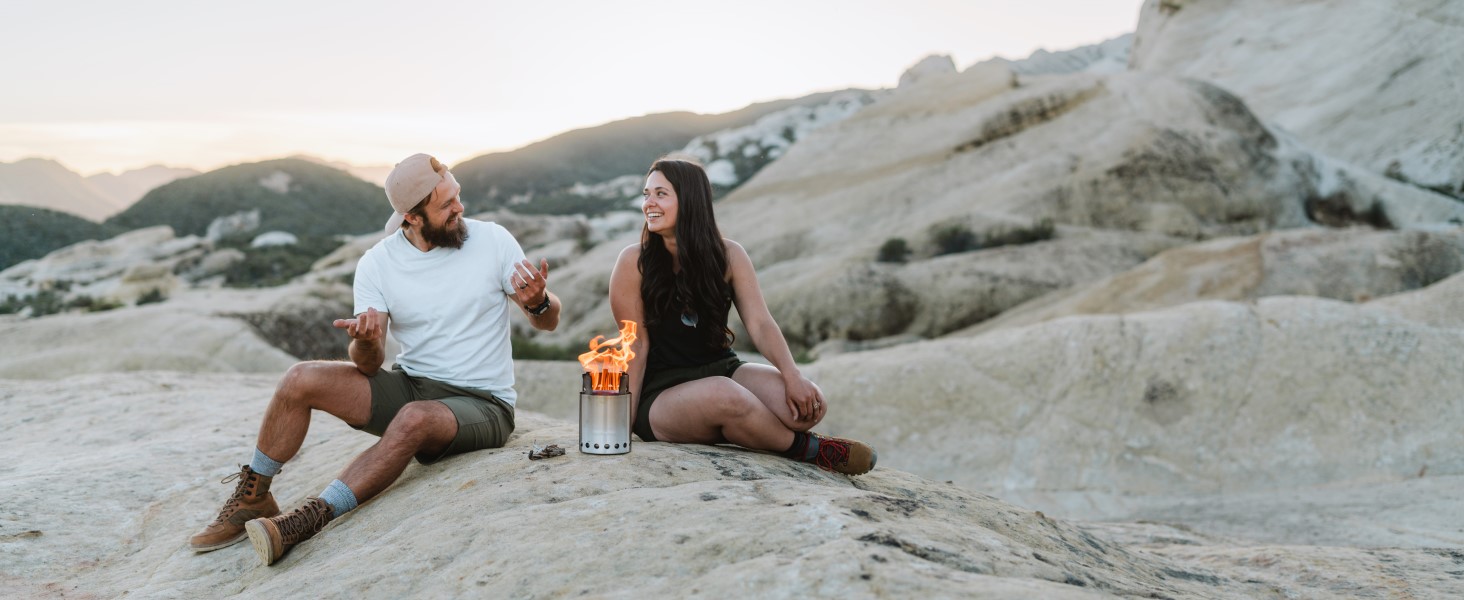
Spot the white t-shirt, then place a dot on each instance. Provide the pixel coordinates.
(449, 306)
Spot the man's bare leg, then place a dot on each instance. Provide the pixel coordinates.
(335, 387)
(423, 427)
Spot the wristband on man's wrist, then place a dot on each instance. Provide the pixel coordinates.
(542, 308)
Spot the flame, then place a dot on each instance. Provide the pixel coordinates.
(608, 359)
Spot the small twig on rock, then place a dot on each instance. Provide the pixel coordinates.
(549, 451)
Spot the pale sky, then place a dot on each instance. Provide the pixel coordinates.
(108, 86)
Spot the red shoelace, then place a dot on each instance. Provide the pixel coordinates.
(831, 452)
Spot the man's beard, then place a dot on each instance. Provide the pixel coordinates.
(445, 236)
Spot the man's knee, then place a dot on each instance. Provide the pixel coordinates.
(307, 380)
(298, 381)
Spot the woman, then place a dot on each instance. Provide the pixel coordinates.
(689, 387)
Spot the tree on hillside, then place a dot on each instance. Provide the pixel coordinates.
(28, 232)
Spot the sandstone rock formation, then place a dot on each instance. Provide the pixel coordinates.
(123, 268)
(1439, 305)
(1135, 157)
(1376, 84)
(935, 65)
(858, 299)
(152, 337)
(1108, 56)
(262, 330)
(1191, 356)
(664, 519)
(1207, 397)
(1353, 265)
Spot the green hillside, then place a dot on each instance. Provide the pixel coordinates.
(28, 232)
(593, 155)
(292, 195)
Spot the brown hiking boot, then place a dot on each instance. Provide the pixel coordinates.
(273, 537)
(849, 457)
(251, 500)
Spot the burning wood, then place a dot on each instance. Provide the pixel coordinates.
(608, 359)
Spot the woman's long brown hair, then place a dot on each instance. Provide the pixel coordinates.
(701, 288)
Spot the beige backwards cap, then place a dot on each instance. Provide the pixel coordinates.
(409, 182)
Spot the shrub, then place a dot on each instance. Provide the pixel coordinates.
(28, 232)
(103, 305)
(953, 238)
(153, 296)
(276, 265)
(42, 303)
(11, 305)
(527, 349)
(1041, 230)
(894, 250)
(90, 304)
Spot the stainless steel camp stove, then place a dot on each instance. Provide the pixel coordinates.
(604, 418)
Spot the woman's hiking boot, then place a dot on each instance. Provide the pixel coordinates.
(273, 537)
(850, 457)
(251, 500)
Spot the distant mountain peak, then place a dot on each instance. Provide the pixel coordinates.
(46, 183)
(373, 173)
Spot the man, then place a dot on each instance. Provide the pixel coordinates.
(441, 284)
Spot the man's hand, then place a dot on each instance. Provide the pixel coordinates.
(367, 327)
(530, 284)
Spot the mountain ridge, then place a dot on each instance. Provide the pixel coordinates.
(297, 196)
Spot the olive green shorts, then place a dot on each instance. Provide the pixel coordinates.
(483, 420)
(660, 381)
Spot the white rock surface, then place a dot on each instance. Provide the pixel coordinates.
(273, 238)
(151, 337)
(935, 65)
(1108, 56)
(1131, 156)
(121, 269)
(665, 520)
(1376, 84)
(231, 225)
(1439, 305)
(202, 329)
(1353, 265)
(215, 264)
(733, 155)
(1208, 397)
(277, 182)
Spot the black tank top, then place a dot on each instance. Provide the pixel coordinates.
(675, 343)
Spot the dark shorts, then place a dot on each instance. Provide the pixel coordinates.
(483, 420)
(662, 380)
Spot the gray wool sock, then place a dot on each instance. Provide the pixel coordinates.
(340, 498)
(264, 465)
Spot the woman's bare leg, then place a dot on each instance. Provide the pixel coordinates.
(766, 383)
(716, 410)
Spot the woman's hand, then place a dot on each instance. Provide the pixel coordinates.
(804, 399)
